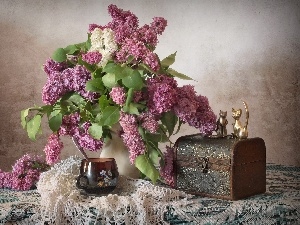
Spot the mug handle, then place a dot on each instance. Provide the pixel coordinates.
(79, 182)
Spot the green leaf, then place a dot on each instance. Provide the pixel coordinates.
(76, 99)
(119, 71)
(24, 114)
(157, 137)
(89, 107)
(154, 154)
(46, 109)
(96, 131)
(95, 85)
(132, 109)
(71, 49)
(154, 145)
(111, 67)
(169, 119)
(81, 46)
(88, 43)
(110, 116)
(147, 68)
(179, 125)
(138, 105)
(98, 118)
(106, 134)
(66, 107)
(177, 74)
(168, 61)
(144, 164)
(134, 81)
(109, 80)
(103, 102)
(129, 98)
(129, 59)
(55, 112)
(59, 55)
(33, 126)
(141, 132)
(127, 71)
(55, 122)
(97, 73)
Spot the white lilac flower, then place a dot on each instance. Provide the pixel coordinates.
(103, 42)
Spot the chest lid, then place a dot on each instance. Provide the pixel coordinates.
(196, 150)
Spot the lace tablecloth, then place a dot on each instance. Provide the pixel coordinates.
(279, 205)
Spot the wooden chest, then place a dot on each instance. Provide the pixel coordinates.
(224, 168)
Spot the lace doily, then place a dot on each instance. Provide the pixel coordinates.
(134, 201)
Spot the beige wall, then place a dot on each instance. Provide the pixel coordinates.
(235, 50)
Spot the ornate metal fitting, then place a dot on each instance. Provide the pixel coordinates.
(205, 164)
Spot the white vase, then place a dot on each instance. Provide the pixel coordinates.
(115, 148)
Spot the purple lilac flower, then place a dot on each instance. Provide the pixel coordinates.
(185, 109)
(121, 16)
(121, 56)
(137, 96)
(25, 162)
(148, 122)
(71, 79)
(135, 41)
(187, 104)
(137, 49)
(128, 122)
(194, 110)
(118, 95)
(161, 94)
(67, 79)
(159, 24)
(148, 35)
(53, 66)
(152, 61)
(92, 57)
(131, 47)
(53, 89)
(93, 26)
(5, 179)
(26, 182)
(85, 140)
(205, 118)
(135, 145)
(80, 76)
(131, 137)
(167, 170)
(53, 149)
(123, 23)
(23, 175)
(120, 34)
(69, 124)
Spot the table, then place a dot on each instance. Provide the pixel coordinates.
(279, 205)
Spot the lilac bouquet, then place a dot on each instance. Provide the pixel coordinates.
(116, 78)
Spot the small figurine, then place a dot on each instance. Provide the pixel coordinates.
(240, 131)
(221, 124)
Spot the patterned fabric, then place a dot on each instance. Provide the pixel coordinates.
(279, 205)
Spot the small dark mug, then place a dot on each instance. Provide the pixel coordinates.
(98, 176)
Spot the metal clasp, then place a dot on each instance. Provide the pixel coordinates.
(205, 164)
